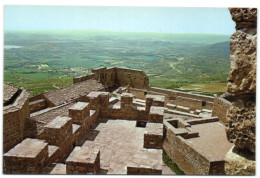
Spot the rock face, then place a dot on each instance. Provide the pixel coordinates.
(244, 17)
(237, 164)
(242, 77)
(241, 116)
(241, 128)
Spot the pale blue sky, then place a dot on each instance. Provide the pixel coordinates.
(133, 19)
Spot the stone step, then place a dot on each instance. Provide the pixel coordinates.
(139, 103)
(181, 113)
(183, 108)
(171, 106)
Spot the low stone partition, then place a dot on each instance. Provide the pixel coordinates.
(156, 100)
(197, 146)
(156, 114)
(98, 99)
(84, 78)
(37, 105)
(189, 102)
(84, 160)
(58, 130)
(28, 157)
(153, 137)
(126, 100)
(181, 128)
(139, 93)
(79, 112)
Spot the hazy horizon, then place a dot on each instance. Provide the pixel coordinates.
(173, 20)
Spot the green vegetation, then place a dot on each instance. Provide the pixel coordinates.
(49, 59)
(171, 164)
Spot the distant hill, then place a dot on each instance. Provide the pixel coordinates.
(170, 60)
(215, 49)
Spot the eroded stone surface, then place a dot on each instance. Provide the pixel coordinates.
(242, 77)
(244, 17)
(236, 164)
(241, 119)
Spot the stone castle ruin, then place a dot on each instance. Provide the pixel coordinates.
(112, 121)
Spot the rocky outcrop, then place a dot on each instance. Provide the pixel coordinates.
(242, 77)
(241, 128)
(244, 17)
(241, 116)
(239, 164)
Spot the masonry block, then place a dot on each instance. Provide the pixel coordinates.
(98, 99)
(156, 114)
(104, 98)
(79, 112)
(84, 160)
(153, 137)
(148, 103)
(58, 130)
(126, 99)
(27, 157)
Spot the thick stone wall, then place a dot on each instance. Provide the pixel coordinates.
(116, 77)
(221, 106)
(133, 78)
(14, 120)
(181, 153)
(193, 104)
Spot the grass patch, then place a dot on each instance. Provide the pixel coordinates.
(167, 160)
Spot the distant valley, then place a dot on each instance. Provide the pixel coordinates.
(42, 61)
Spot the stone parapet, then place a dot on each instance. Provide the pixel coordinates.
(84, 160)
(28, 157)
(156, 114)
(58, 130)
(153, 137)
(79, 112)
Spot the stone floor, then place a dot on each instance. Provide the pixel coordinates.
(212, 142)
(121, 144)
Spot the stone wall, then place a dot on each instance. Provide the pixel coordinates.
(193, 104)
(174, 93)
(186, 158)
(116, 77)
(14, 120)
(133, 78)
(221, 106)
(37, 105)
(241, 116)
